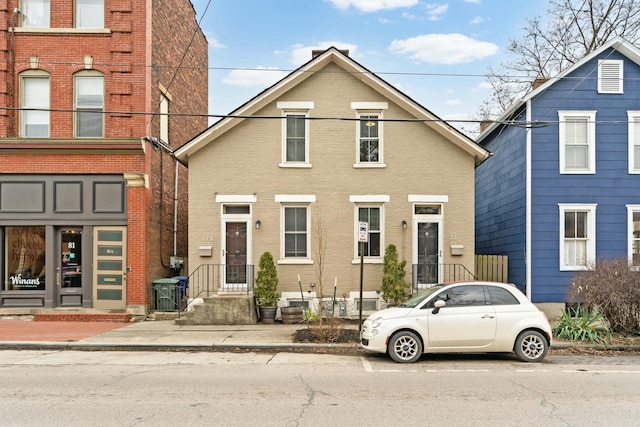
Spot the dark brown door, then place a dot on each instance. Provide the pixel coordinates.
(236, 253)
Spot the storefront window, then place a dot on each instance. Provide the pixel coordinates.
(25, 255)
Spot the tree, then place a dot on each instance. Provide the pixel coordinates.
(266, 286)
(571, 30)
(394, 287)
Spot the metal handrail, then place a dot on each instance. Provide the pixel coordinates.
(212, 279)
(426, 274)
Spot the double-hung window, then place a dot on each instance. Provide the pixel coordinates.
(35, 100)
(633, 233)
(577, 236)
(89, 14)
(369, 133)
(295, 228)
(296, 231)
(634, 141)
(89, 104)
(295, 138)
(295, 133)
(373, 216)
(577, 142)
(36, 13)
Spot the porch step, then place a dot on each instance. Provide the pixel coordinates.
(221, 310)
(82, 317)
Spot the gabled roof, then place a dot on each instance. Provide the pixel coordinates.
(331, 55)
(619, 44)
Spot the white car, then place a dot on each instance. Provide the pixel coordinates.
(467, 317)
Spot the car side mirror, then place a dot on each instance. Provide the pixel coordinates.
(438, 305)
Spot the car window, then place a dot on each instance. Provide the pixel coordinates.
(501, 296)
(461, 296)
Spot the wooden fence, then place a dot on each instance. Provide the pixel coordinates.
(492, 268)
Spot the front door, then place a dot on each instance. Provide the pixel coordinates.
(110, 267)
(69, 270)
(428, 252)
(235, 268)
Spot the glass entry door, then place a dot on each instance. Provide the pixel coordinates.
(69, 271)
(428, 252)
(235, 269)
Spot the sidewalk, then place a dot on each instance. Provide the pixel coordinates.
(165, 335)
(158, 335)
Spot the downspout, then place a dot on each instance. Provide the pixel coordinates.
(12, 76)
(528, 204)
(175, 210)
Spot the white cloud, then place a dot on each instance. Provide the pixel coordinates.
(454, 102)
(473, 1)
(301, 54)
(435, 10)
(372, 5)
(215, 43)
(446, 49)
(477, 20)
(261, 76)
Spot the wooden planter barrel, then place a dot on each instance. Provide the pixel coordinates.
(291, 314)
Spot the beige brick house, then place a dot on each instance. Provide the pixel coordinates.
(330, 144)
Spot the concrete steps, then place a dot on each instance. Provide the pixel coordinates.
(221, 310)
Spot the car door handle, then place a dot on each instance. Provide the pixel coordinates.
(488, 316)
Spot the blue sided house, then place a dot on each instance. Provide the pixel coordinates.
(562, 187)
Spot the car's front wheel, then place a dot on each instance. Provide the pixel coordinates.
(405, 347)
(531, 346)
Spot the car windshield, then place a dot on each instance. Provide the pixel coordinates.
(418, 298)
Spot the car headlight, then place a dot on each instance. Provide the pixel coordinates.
(377, 322)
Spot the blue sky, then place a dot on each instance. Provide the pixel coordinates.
(435, 52)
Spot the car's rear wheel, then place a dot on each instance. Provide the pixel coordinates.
(531, 346)
(405, 347)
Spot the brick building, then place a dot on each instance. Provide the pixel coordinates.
(94, 97)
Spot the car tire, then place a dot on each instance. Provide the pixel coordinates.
(405, 347)
(531, 346)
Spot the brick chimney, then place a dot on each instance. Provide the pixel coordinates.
(538, 82)
(484, 124)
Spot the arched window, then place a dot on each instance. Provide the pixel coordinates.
(89, 104)
(35, 104)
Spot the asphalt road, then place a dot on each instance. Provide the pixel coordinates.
(69, 388)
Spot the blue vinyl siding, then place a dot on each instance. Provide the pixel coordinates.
(611, 188)
(500, 202)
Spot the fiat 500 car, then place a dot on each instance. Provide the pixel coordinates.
(467, 317)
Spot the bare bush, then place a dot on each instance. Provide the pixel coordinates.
(329, 330)
(613, 289)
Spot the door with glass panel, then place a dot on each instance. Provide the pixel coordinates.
(428, 252)
(109, 267)
(69, 281)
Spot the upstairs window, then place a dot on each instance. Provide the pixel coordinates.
(369, 134)
(89, 14)
(369, 138)
(295, 138)
(295, 133)
(89, 105)
(610, 73)
(164, 118)
(36, 13)
(34, 117)
(577, 142)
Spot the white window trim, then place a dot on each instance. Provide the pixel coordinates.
(632, 117)
(356, 220)
(292, 164)
(235, 198)
(295, 260)
(425, 199)
(89, 74)
(607, 62)
(368, 108)
(591, 233)
(591, 139)
(35, 74)
(630, 211)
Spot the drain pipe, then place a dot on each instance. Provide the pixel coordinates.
(175, 211)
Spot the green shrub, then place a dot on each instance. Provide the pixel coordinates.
(394, 287)
(266, 286)
(582, 325)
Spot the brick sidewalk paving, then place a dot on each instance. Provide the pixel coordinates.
(24, 330)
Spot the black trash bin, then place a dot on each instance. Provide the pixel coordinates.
(166, 294)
